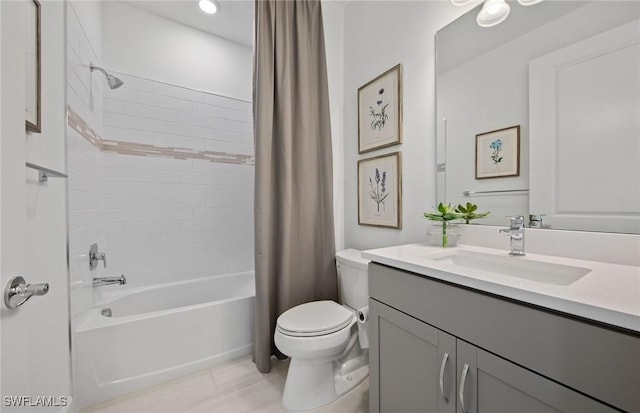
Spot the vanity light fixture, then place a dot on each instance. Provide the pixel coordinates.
(209, 6)
(461, 2)
(493, 13)
(528, 2)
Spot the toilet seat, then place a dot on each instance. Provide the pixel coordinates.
(314, 319)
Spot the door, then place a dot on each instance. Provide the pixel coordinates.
(35, 336)
(584, 128)
(487, 383)
(412, 363)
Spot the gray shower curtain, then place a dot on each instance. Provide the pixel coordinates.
(294, 234)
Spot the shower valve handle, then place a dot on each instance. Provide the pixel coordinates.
(102, 256)
(95, 256)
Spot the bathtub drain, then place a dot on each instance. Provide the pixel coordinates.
(106, 312)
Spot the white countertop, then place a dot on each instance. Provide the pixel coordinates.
(609, 293)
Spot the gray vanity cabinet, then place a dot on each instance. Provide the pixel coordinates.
(517, 360)
(494, 385)
(413, 356)
(416, 367)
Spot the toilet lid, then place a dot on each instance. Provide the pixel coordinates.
(314, 318)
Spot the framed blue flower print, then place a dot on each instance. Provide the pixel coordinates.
(498, 153)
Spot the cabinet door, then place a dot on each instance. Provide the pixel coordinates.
(412, 364)
(494, 385)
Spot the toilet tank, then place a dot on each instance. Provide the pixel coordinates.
(353, 279)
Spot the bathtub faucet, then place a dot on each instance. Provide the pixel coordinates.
(100, 281)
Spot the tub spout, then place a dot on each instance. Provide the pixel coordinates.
(100, 281)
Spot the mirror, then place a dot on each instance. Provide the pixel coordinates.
(567, 74)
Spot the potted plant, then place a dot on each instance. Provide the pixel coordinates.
(444, 214)
(468, 212)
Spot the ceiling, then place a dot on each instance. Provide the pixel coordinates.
(234, 20)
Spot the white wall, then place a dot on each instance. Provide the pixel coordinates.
(90, 14)
(139, 43)
(379, 35)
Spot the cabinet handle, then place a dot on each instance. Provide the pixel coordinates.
(445, 358)
(463, 379)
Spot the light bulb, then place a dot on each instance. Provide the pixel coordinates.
(529, 2)
(208, 6)
(493, 12)
(493, 9)
(461, 2)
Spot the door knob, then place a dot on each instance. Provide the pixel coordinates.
(17, 291)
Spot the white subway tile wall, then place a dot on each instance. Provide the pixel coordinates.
(85, 165)
(160, 176)
(174, 219)
(146, 111)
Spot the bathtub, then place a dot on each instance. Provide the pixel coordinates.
(161, 332)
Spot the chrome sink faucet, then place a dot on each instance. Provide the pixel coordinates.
(516, 235)
(100, 281)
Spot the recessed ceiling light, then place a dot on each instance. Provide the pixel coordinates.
(209, 6)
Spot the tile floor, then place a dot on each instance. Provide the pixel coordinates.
(232, 387)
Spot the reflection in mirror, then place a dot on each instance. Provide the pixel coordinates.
(566, 72)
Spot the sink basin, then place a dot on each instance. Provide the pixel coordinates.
(517, 267)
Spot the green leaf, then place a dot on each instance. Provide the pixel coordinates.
(445, 212)
(468, 212)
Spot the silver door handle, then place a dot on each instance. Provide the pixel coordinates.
(463, 379)
(445, 358)
(17, 291)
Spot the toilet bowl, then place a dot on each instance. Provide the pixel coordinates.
(327, 347)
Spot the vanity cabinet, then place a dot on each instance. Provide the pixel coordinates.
(518, 358)
(414, 357)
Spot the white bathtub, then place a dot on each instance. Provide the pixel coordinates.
(161, 332)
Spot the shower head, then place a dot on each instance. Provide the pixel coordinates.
(113, 81)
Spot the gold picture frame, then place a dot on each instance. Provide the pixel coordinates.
(33, 57)
(380, 111)
(380, 191)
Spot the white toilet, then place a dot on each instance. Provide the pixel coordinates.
(327, 345)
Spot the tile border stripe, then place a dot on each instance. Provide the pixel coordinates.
(75, 122)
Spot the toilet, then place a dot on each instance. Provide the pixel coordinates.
(326, 341)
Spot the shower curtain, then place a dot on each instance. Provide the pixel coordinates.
(294, 233)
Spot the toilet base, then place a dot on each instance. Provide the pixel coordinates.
(309, 385)
(314, 383)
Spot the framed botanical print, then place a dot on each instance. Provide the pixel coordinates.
(380, 191)
(380, 111)
(498, 153)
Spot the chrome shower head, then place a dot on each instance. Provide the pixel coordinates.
(113, 81)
